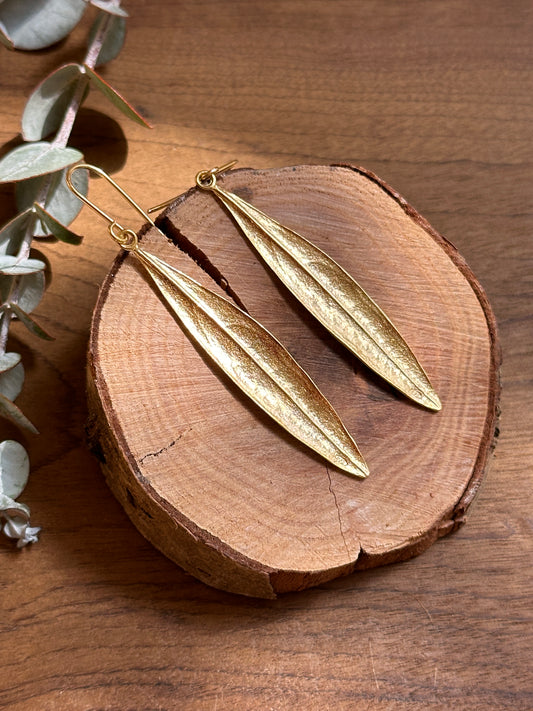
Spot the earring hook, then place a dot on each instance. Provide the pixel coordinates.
(124, 236)
(205, 179)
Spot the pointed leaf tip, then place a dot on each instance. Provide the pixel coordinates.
(30, 323)
(113, 95)
(11, 412)
(56, 228)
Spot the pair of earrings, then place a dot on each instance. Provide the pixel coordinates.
(249, 354)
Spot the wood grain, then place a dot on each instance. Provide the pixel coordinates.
(217, 486)
(436, 99)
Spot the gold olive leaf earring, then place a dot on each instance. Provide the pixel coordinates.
(328, 292)
(256, 362)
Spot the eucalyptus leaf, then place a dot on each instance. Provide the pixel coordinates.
(12, 234)
(60, 202)
(119, 101)
(110, 7)
(30, 324)
(8, 361)
(35, 25)
(15, 266)
(56, 228)
(30, 291)
(11, 381)
(33, 159)
(46, 107)
(114, 38)
(14, 468)
(11, 412)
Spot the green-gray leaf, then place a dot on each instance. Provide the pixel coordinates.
(12, 234)
(10, 411)
(56, 228)
(8, 361)
(47, 105)
(34, 25)
(60, 202)
(30, 291)
(14, 468)
(15, 267)
(33, 159)
(11, 381)
(30, 324)
(119, 101)
(114, 38)
(110, 7)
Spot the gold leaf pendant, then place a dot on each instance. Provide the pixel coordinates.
(331, 295)
(258, 363)
(249, 354)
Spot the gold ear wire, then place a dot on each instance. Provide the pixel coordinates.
(125, 237)
(205, 179)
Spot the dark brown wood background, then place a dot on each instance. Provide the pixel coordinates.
(436, 99)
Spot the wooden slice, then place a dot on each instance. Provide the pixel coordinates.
(214, 483)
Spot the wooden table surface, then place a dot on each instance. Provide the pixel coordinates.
(436, 99)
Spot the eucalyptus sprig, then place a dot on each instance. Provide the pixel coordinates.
(46, 207)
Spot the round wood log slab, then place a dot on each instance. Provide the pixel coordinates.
(214, 483)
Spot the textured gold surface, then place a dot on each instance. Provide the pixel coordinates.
(245, 351)
(257, 363)
(333, 297)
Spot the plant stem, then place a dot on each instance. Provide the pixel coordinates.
(5, 320)
(91, 56)
(61, 140)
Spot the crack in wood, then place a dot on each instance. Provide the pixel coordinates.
(332, 492)
(165, 448)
